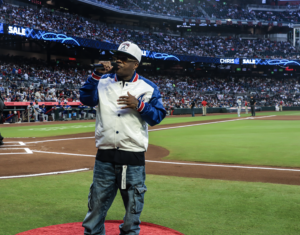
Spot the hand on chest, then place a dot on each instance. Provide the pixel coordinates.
(110, 92)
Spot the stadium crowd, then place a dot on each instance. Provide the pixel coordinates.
(75, 25)
(36, 81)
(229, 11)
(223, 92)
(213, 9)
(166, 8)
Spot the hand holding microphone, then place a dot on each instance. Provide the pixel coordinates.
(105, 66)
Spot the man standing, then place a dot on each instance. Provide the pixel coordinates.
(127, 103)
(53, 112)
(81, 111)
(246, 107)
(193, 108)
(280, 106)
(239, 106)
(204, 103)
(36, 109)
(252, 104)
(66, 107)
(30, 110)
(59, 107)
(44, 113)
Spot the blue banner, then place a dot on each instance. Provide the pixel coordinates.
(84, 42)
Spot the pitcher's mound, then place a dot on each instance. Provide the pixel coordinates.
(111, 227)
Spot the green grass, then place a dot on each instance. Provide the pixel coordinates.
(48, 130)
(66, 128)
(254, 142)
(191, 206)
(175, 119)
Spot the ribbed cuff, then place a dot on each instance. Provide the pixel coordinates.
(140, 106)
(96, 75)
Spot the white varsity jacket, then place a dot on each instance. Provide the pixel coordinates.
(123, 129)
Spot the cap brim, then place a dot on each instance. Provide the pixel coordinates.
(124, 53)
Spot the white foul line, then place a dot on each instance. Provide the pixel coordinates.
(12, 153)
(59, 140)
(189, 164)
(11, 148)
(3, 146)
(73, 154)
(41, 174)
(177, 163)
(206, 123)
(28, 150)
(166, 128)
(228, 166)
(42, 141)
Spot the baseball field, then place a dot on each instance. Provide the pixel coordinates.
(217, 174)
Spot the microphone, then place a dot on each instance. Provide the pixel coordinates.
(101, 67)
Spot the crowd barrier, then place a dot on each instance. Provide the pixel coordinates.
(228, 110)
(199, 111)
(22, 115)
(284, 108)
(60, 114)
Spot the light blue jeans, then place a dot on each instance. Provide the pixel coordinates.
(106, 182)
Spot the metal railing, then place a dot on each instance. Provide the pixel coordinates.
(271, 7)
(130, 11)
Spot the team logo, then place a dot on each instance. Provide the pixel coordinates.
(142, 98)
(124, 46)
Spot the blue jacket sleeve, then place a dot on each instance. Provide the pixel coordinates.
(153, 112)
(89, 92)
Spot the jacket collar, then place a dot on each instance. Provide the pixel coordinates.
(134, 78)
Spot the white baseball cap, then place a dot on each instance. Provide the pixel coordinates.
(130, 49)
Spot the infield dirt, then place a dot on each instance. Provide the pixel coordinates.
(53, 160)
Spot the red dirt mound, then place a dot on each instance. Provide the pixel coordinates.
(111, 227)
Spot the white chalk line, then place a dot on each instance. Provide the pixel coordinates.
(28, 150)
(228, 166)
(207, 123)
(42, 174)
(59, 140)
(12, 153)
(3, 146)
(11, 148)
(72, 154)
(166, 128)
(84, 155)
(20, 144)
(189, 164)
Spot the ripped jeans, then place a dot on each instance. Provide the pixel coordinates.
(107, 180)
